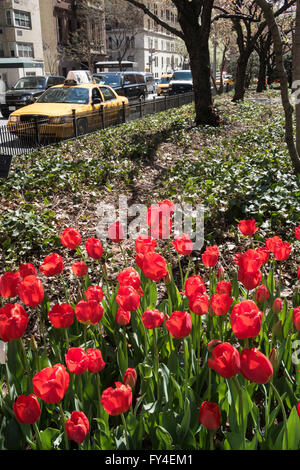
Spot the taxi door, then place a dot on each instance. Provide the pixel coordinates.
(95, 121)
(112, 107)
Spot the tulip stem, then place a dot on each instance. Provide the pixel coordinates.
(63, 423)
(282, 410)
(187, 270)
(29, 381)
(186, 367)
(38, 436)
(279, 280)
(99, 393)
(156, 361)
(126, 430)
(65, 287)
(239, 390)
(123, 255)
(67, 338)
(181, 273)
(43, 330)
(211, 440)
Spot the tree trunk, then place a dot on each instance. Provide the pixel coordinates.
(261, 84)
(287, 106)
(196, 38)
(296, 73)
(240, 79)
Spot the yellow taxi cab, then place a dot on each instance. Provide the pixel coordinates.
(94, 106)
(164, 83)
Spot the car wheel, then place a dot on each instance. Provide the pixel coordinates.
(82, 126)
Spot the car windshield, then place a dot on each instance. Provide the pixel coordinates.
(182, 76)
(165, 80)
(112, 79)
(65, 95)
(28, 83)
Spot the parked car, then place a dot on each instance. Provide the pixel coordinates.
(26, 90)
(150, 82)
(129, 84)
(164, 83)
(181, 82)
(54, 110)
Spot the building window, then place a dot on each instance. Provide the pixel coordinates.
(12, 49)
(8, 18)
(22, 19)
(60, 29)
(1, 50)
(25, 49)
(168, 15)
(155, 9)
(149, 24)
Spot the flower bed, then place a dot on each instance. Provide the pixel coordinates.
(212, 364)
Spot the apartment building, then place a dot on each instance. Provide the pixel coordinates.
(151, 47)
(21, 50)
(62, 23)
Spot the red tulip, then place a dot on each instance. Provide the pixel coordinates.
(27, 409)
(255, 366)
(116, 232)
(199, 304)
(52, 265)
(298, 409)
(264, 254)
(277, 305)
(122, 317)
(9, 284)
(13, 322)
(225, 360)
(159, 219)
(179, 324)
(296, 318)
(27, 270)
(145, 244)
(183, 245)
(262, 294)
(224, 287)
(220, 303)
(117, 400)
(51, 383)
(282, 251)
(297, 232)
(246, 319)
(248, 262)
(139, 260)
(298, 273)
(128, 298)
(94, 293)
(76, 360)
(247, 227)
(210, 256)
(129, 277)
(80, 269)
(70, 238)
(271, 242)
(94, 248)
(61, 316)
(130, 377)
(154, 266)
(212, 344)
(249, 280)
(153, 318)
(31, 291)
(89, 312)
(210, 415)
(95, 360)
(194, 285)
(77, 427)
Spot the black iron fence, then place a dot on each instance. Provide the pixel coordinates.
(27, 132)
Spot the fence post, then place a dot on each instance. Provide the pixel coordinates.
(123, 112)
(101, 111)
(37, 130)
(154, 101)
(74, 123)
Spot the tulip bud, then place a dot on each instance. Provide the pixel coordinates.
(277, 305)
(220, 274)
(167, 278)
(273, 358)
(33, 344)
(262, 294)
(212, 344)
(277, 328)
(130, 377)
